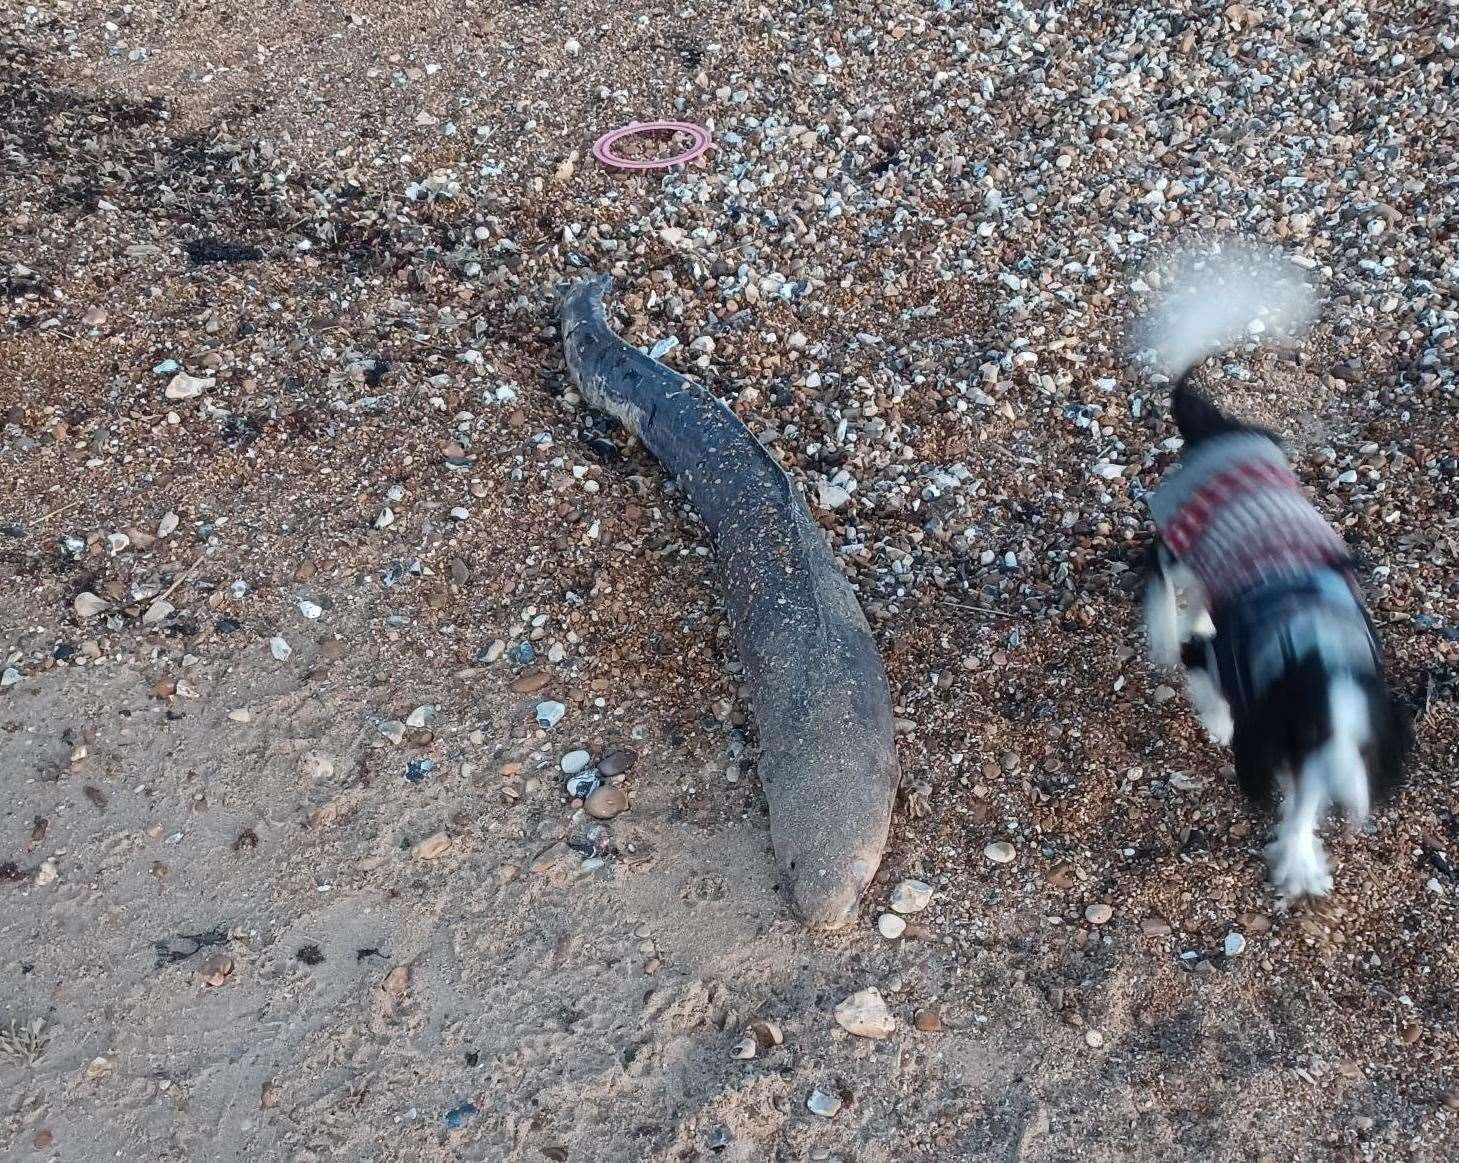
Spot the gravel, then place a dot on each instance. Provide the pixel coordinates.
(910, 272)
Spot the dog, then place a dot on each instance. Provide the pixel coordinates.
(1253, 593)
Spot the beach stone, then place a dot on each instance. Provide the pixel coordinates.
(911, 896)
(826, 1106)
(929, 1021)
(185, 387)
(865, 1014)
(583, 784)
(216, 970)
(617, 762)
(158, 612)
(88, 605)
(890, 926)
(574, 761)
(1099, 913)
(1234, 945)
(768, 1033)
(606, 802)
(1000, 852)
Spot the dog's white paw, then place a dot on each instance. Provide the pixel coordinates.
(1214, 711)
(1299, 868)
(1220, 728)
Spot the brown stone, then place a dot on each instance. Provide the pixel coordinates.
(216, 970)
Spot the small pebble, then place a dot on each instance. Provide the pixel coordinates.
(309, 609)
(825, 1105)
(1093, 1039)
(865, 1014)
(617, 762)
(550, 713)
(1234, 945)
(458, 1117)
(531, 682)
(216, 970)
(574, 762)
(88, 605)
(911, 896)
(929, 1021)
(607, 802)
(890, 926)
(185, 387)
(1098, 914)
(583, 784)
(158, 612)
(420, 716)
(767, 1032)
(280, 649)
(1000, 852)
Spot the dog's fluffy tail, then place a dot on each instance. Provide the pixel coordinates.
(1216, 300)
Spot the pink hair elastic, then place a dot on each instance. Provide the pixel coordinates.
(603, 147)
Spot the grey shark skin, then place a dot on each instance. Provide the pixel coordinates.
(821, 705)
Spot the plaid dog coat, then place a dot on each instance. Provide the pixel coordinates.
(1235, 515)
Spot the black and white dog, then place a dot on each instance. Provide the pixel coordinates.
(1253, 592)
